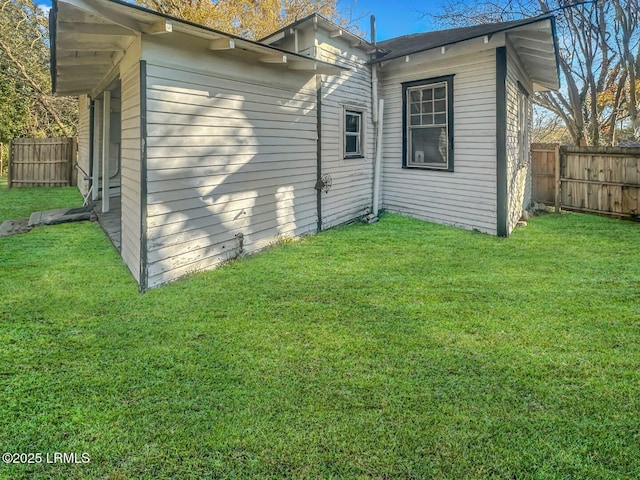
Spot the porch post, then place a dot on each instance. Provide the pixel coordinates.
(106, 139)
(95, 171)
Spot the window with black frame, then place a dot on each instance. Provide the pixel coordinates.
(429, 124)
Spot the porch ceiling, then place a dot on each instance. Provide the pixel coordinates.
(90, 37)
(86, 46)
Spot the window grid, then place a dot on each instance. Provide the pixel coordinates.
(428, 105)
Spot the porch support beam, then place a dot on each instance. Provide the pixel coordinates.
(106, 139)
(95, 174)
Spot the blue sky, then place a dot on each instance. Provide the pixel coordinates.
(393, 18)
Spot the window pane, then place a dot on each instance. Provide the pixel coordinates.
(415, 120)
(427, 119)
(352, 122)
(427, 94)
(352, 144)
(440, 118)
(439, 92)
(429, 145)
(440, 106)
(415, 95)
(427, 107)
(415, 108)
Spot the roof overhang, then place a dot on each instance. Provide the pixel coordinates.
(316, 21)
(536, 46)
(534, 40)
(90, 37)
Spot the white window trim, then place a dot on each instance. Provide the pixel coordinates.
(362, 145)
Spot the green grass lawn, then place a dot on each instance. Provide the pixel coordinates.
(401, 349)
(21, 202)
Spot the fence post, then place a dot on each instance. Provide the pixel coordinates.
(9, 166)
(558, 192)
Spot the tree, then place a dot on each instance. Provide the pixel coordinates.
(252, 19)
(27, 106)
(13, 111)
(599, 54)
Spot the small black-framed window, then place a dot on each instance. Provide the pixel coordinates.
(427, 125)
(353, 145)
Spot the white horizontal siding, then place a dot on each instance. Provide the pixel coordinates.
(130, 170)
(518, 172)
(351, 192)
(465, 197)
(225, 157)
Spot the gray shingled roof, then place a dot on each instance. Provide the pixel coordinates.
(419, 42)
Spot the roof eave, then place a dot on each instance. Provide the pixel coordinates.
(533, 20)
(138, 21)
(355, 40)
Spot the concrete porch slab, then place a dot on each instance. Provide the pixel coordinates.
(61, 215)
(14, 227)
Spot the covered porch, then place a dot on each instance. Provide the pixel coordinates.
(110, 221)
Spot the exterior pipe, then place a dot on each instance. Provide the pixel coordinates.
(374, 93)
(377, 171)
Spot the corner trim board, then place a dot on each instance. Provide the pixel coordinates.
(319, 148)
(53, 64)
(144, 266)
(501, 143)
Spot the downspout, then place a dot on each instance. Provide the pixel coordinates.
(377, 107)
(374, 93)
(377, 170)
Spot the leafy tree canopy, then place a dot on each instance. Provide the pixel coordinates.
(27, 106)
(252, 19)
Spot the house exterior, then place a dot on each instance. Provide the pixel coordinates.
(210, 146)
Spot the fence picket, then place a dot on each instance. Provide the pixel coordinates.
(592, 179)
(36, 162)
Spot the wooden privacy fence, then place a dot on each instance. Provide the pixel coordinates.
(42, 162)
(590, 179)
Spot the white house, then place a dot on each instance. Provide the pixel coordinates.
(204, 145)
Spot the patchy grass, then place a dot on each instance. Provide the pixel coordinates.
(401, 349)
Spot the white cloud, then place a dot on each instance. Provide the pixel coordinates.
(45, 8)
